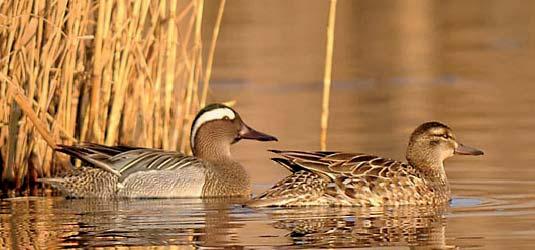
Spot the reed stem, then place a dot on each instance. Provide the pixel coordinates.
(210, 61)
(327, 75)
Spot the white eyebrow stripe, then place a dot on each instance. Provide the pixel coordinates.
(216, 114)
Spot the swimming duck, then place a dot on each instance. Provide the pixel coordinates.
(356, 179)
(135, 172)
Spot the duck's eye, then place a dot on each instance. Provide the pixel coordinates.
(445, 136)
(226, 118)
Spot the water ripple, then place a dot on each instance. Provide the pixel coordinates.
(55, 222)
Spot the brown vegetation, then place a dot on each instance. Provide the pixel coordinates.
(107, 71)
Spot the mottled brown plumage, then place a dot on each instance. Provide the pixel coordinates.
(357, 179)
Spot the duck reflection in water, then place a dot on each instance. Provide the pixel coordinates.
(215, 222)
(409, 226)
(45, 223)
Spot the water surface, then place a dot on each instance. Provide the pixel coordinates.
(396, 65)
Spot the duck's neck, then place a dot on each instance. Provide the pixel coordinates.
(228, 177)
(432, 170)
(213, 152)
(428, 163)
(212, 142)
(435, 176)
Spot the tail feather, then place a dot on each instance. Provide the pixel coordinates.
(89, 155)
(56, 183)
(51, 180)
(291, 154)
(288, 164)
(303, 155)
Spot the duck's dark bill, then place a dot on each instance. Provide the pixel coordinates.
(467, 150)
(247, 132)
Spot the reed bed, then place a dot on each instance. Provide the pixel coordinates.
(104, 71)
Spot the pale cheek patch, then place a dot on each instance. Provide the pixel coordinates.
(216, 114)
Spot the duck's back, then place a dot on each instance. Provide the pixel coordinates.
(354, 179)
(132, 172)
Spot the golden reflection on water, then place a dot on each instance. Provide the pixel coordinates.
(396, 64)
(55, 223)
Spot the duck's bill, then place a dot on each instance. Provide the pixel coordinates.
(467, 150)
(247, 132)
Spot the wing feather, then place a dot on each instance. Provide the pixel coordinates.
(125, 160)
(333, 164)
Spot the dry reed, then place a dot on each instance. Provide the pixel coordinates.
(211, 53)
(106, 71)
(327, 75)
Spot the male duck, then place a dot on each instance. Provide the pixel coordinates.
(134, 172)
(347, 179)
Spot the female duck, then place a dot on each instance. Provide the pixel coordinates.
(346, 179)
(134, 172)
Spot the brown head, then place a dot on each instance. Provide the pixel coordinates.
(432, 143)
(215, 128)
